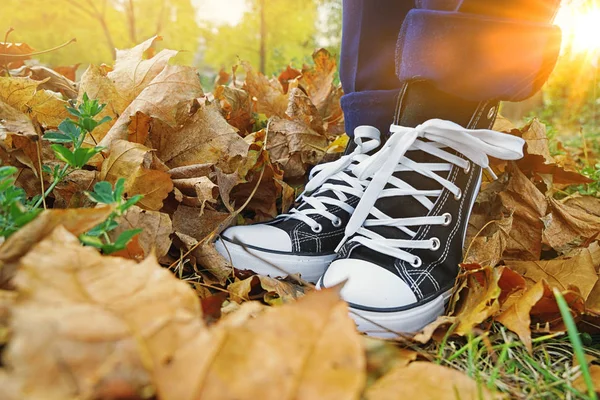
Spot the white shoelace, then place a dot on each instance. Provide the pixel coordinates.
(475, 144)
(367, 138)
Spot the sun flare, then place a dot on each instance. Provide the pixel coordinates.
(581, 27)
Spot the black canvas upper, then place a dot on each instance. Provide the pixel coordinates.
(305, 240)
(419, 102)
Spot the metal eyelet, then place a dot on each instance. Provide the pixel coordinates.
(491, 113)
(435, 244)
(468, 168)
(337, 222)
(458, 196)
(416, 262)
(317, 229)
(447, 219)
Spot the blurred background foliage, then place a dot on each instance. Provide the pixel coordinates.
(212, 34)
(271, 34)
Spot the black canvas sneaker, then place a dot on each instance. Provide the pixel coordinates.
(303, 241)
(404, 242)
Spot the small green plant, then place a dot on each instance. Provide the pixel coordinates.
(69, 146)
(593, 188)
(68, 142)
(15, 209)
(98, 237)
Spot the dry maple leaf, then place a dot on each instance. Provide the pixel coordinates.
(479, 294)
(568, 225)
(580, 383)
(134, 162)
(266, 178)
(12, 55)
(562, 273)
(204, 136)
(236, 107)
(539, 162)
(70, 193)
(208, 262)
(51, 80)
(131, 330)
(423, 380)
(197, 191)
(136, 68)
(118, 87)
(196, 222)
(43, 105)
(272, 291)
(76, 221)
(160, 100)
(322, 356)
(515, 197)
(68, 71)
(18, 138)
(89, 326)
(99, 86)
(288, 75)
(294, 146)
(436, 330)
(516, 314)
(545, 314)
(301, 109)
(592, 305)
(489, 246)
(156, 230)
(267, 94)
(318, 80)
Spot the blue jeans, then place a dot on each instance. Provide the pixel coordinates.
(461, 46)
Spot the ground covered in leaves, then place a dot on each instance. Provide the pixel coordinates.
(168, 318)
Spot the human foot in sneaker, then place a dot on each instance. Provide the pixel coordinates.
(304, 240)
(404, 241)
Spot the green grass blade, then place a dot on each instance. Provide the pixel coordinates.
(575, 342)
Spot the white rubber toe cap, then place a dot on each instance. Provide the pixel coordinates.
(262, 236)
(368, 284)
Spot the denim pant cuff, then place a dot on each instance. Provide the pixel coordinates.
(371, 107)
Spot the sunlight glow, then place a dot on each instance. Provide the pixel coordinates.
(221, 11)
(581, 27)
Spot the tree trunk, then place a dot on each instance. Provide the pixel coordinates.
(131, 23)
(263, 38)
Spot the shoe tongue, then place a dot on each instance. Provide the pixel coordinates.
(422, 102)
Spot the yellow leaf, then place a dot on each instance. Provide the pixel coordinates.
(132, 73)
(321, 357)
(89, 326)
(161, 100)
(203, 136)
(156, 230)
(578, 271)
(267, 94)
(24, 95)
(295, 146)
(427, 381)
(517, 316)
(76, 221)
(133, 162)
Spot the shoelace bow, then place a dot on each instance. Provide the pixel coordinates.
(367, 138)
(475, 144)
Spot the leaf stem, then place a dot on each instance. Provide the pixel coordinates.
(55, 182)
(37, 53)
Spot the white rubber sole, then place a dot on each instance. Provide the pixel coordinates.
(390, 324)
(310, 268)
